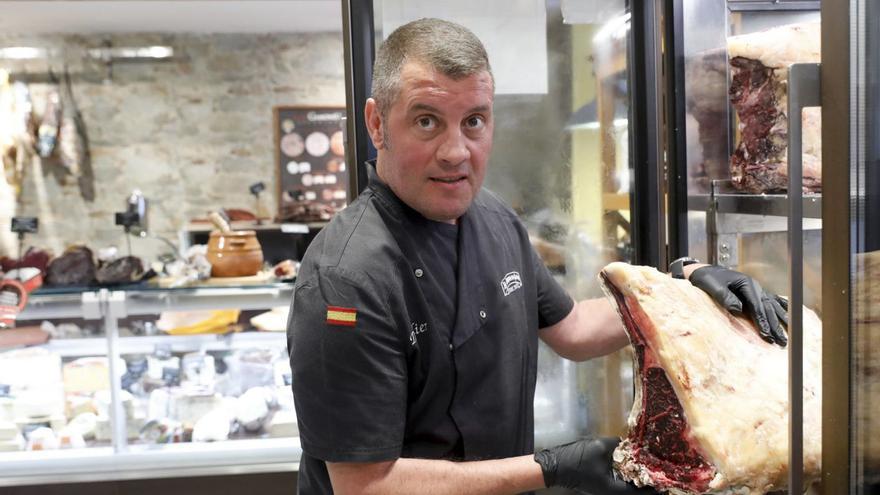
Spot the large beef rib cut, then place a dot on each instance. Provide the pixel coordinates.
(711, 398)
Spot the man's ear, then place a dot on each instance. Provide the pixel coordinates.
(373, 119)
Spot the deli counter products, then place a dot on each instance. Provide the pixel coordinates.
(52, 403)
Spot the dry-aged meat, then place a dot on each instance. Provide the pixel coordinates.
(758, 91)
(124, 270)
(75, 267)
(711, 405)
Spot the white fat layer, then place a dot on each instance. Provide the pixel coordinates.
(730, 383)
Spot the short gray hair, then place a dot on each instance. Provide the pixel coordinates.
(449, 48)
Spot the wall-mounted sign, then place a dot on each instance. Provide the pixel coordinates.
(310, 157)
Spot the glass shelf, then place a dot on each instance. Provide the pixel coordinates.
(756, 204)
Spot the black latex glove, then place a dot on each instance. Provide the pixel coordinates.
(741, 294)
(585, 466)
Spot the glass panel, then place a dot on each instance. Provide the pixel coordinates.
(735, 92)
(193, 129)
(51, 400)
(189, 104)
(865, 337)
(561, 160)
(203, 388)
(713, 131)
(54, 379)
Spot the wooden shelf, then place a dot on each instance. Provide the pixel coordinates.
(615, 201)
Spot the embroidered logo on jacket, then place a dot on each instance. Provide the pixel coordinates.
(510, 283)
(417, 328)
(341, 316)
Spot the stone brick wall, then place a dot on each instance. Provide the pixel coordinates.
(191, 133)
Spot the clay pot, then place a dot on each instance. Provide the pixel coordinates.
(234, 254)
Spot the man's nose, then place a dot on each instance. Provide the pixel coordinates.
(453, 150)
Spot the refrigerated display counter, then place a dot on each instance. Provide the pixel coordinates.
(126, 404)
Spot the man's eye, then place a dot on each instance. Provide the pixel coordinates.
(475, 122)
(426, 123)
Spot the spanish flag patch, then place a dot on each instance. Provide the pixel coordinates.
(341, 316)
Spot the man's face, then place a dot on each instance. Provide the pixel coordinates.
(435, 141)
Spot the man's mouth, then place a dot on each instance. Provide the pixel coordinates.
(449, 180)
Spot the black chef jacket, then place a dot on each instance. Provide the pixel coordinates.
(380, 372)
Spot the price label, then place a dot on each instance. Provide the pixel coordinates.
(294, 228)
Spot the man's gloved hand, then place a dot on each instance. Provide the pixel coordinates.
(741, 294)
(585, 465)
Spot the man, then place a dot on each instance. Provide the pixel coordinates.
(417, 311)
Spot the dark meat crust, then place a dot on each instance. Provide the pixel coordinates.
(660, 440)
(755, 94)
(758, 165)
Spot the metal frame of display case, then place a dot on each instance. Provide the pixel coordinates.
(646, 123)
(359, 51)
(803, 91)
(677, 202)
(839, 124)
(122, 461)
(772, 5)
(729, 215)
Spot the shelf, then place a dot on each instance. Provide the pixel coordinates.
(773, 5)
(152, 301)
(758, 204)
(155, 461)
(143, 300)
(206, 342)
(287, 227)
(615, 201)
(91, 346)
(97, 346)
(61, 305)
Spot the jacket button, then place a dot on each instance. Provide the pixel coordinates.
(419, 272)
(483, 314)
(450, 346)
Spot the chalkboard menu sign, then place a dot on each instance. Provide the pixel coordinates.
(310, 157)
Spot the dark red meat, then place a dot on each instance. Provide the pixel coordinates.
(661, 437)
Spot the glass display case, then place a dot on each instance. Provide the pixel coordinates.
(850, 97)
(123, 127)
(814, 242)
(202, 390)
(567, 136)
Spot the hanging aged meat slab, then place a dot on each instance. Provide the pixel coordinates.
(711, 397)
(759, 65)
